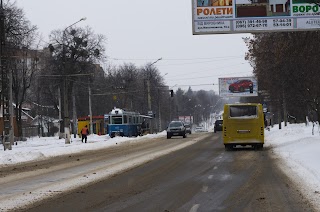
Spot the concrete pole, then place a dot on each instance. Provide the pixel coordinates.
(159, 130)
(74, 113)
(11, 134)
(170, 110)
(66, 108)
(285, 117)
(149, 103)
(38, 108)
(279, 116)
(60, 117)
(90, 111)
(5, 98)
(66, 113)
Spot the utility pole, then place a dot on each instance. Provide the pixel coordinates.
(90, 111)
(285, 115)
(66, 120)
(74, 113)
(11, 134)
(66, 113)
(5, 97)
(65, 102)
(60, 118)
(170, 109)
(149, 103)
(160, 90)
(38, 108)
(149, 92)
(159, 130)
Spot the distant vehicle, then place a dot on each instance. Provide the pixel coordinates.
(241, 86)
(124, 123)
(176, 128)
(200, 129)
(218, 125)
(188, 128)
(243, 124)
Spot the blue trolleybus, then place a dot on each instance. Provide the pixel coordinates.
(124, 123)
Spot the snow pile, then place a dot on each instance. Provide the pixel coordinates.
(298, 150)
(45, 147)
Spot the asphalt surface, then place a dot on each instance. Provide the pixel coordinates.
(200, 177)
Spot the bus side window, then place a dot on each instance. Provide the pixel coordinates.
(125, 119)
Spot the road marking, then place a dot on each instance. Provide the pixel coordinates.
(216, 167)
(210, 177)
(204, 189)
(194, 208)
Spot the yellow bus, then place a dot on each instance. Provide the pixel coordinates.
(243, 124)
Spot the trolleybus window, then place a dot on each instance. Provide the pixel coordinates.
(125, 119)
(243, 111)
(116, 119)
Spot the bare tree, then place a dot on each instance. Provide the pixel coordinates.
(74, 52)
(20, 36)
(286, 65)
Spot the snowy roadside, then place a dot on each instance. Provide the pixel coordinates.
(298, 151)
(35, 148)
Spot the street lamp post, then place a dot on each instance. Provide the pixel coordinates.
(149, 93)
(170, 103)
(166, 88)
(148, 84)
(65, 95)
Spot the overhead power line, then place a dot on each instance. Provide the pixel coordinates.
(212, 84)
(201, 77)
(201, 71)
(177, 59)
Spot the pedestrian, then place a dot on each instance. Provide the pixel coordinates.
(84, 133)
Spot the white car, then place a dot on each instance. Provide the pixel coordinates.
(200, 129)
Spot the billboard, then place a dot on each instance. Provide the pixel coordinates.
(238, 87)
(250, 16)
(186, 119)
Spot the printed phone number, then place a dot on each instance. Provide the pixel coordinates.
(282, 22)
(241, 26)
(261, 23)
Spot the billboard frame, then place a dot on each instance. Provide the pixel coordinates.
(238, 88)
(296, 16)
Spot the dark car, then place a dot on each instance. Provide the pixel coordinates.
(218, 125)
(241, 86)
(176, 128)
(188, 128)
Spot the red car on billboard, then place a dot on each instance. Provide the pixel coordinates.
(241, 86)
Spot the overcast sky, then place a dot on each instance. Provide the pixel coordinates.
(142, 31)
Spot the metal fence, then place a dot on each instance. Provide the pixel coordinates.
(30, 131)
